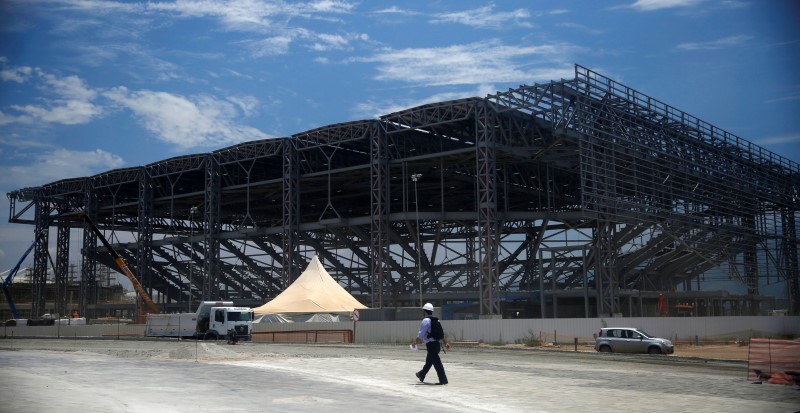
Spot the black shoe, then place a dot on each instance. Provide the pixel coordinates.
(441, 384)
(421, 379)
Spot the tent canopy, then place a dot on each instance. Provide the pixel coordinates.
(314, 291)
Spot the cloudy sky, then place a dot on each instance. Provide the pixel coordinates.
(87, 86)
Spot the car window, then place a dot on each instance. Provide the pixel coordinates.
(635, 335)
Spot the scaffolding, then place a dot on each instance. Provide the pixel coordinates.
(580, 191)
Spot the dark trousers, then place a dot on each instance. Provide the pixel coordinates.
(432, 359)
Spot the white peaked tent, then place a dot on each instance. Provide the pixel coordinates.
(313, 296)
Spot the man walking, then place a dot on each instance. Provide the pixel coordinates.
(432, 344)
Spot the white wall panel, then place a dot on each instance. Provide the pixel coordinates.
(564, 330)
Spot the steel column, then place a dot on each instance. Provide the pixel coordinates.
(486, 158)
(62, 268)
(144, 252)
(88, 291)
(212, 210)
(40, 254)
(291, 212)
(789, 245)
(379, 194)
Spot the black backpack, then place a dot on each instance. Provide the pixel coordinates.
(437, 332)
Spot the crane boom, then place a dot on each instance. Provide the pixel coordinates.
(123, 266)
(10, 277)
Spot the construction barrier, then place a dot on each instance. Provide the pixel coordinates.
(774, 361)
(304, 336)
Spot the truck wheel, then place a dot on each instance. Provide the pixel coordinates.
(212, 336)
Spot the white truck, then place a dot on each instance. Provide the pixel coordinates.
(213, 320)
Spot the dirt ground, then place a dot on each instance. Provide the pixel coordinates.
(137, 375)
(707, 351)
(718, 351)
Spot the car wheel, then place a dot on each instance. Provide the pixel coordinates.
(654, 350)
(605, 349)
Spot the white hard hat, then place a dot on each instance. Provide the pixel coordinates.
(428, 306)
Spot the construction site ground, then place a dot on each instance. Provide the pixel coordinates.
(722, 351)
(167, 375)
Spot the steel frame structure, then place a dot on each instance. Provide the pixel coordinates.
(581, 186)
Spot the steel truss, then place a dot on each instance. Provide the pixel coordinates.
(581, 187)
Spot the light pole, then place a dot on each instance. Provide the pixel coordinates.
(415, 177)
(192, 211)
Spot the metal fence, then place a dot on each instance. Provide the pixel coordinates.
(688, 329)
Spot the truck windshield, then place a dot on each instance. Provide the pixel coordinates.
(239, 316)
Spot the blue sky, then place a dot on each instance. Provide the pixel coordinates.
(88, 86)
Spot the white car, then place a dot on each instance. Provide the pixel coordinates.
(631, 340)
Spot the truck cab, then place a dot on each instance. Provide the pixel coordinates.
(224, 320)
(213, 320)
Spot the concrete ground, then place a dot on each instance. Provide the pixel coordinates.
(74, 375)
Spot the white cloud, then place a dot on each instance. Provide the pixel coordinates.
(16, 74)
(475, 63)
(246, 104)
(65, 112)
(184, 122)
(240, 15)
(783, 99)
(102, 7)
(373, 109)
(686, 5)
(54, 164)
(274, 22)
(20, 143)
(486, 17)
(651, 5)
(581, 27)
(67, 100)
(70, 87)
(395, 10)
(252, 15)
(278, 45)
(330, 6)
(724, 43)
(271, 46)
(329, 41)
(778, 140)
(188, 122)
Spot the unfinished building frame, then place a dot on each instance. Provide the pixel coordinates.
(580, 189)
